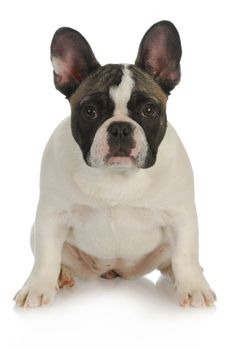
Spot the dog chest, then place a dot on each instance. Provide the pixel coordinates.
(114, 232)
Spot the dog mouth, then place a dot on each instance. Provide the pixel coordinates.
(120, 157)
(124, 161)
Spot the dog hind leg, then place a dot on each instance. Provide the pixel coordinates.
(66, 279)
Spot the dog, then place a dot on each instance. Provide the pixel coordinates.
(116, 185)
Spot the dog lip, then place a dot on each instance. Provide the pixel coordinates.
(121, 153)
(123, 160)
(120, 156)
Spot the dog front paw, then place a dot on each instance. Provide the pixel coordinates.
(197, 294)
(36, 293)
(197, 298)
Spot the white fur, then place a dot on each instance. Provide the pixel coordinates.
(63, 68)
(58, 65)
(121, 94)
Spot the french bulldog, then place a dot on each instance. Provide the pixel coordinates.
(116, 185)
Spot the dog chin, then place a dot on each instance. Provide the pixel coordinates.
(113, 162)
(121, 162)
(118, 162)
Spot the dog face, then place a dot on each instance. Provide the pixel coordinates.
(118, 123)
(118, 112)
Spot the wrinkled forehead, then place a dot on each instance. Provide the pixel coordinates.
(119, 82)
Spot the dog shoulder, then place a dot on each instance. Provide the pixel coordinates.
(173, 170)
(60, 156)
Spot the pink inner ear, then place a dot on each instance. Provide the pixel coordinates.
(64, 69)
(161, 66)
(172, 75)
(159, 58)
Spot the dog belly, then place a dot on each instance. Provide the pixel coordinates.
(89, 267)
(115, 233)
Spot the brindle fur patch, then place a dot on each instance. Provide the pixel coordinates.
(145, 83)
(99, 81)
(111, 75)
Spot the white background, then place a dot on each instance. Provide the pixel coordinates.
(203, 108)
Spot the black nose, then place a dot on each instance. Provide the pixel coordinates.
(120, 130)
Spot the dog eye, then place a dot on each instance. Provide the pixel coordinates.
(148, 111)
(90, 112)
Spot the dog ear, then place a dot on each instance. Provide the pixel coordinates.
(72, 59)
(160, 53)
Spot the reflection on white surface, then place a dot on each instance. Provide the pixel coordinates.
(115, 312)
(148, 295)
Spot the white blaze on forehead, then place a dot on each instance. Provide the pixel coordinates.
(121, 94)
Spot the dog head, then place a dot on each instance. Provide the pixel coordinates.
(118, 112)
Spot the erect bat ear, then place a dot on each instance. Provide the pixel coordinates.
(72, 59)
(160, 53)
